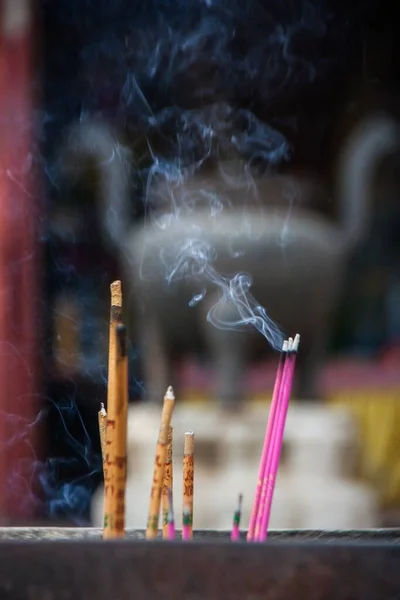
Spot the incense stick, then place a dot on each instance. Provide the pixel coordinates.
(235, 534)
(115, 318)
(113, 390)
(159, 465)
(120, 464)
(168, 484)
(171, 519)
(251, 533)
(116, 459)
(272, 467)
(272, 423)
(156, 488)
(187, 531)
(114, 522)
(102, 417)
(168, 407)
(188, 483)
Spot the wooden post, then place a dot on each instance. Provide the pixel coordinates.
(19, 290)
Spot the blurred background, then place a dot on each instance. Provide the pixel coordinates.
(180, 146)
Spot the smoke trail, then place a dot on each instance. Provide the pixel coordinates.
(180, 74)
(193, 82)
(39, 483)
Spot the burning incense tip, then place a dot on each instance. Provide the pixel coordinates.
(168, 406)
(290, 344)
(169, 395)
(296, 343)
(116, 293)
(102, 410)
(285, 346)
(189, 443)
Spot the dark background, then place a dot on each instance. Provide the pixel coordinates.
(338, 61)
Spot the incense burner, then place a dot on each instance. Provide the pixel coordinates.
(59, 564)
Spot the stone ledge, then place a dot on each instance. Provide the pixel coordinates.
(293, 535)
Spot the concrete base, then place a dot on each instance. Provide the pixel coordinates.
(291, 565)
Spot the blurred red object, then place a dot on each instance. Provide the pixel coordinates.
(391, 357)
(19, 292)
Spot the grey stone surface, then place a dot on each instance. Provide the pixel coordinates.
(91, 533)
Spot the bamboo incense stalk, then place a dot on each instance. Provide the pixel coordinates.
(188, 483)
(113, 390)
(115, 318)
(168, 484)
(159, 465)
(171, 519)
(251, 533)
(102, 416)
(272, 467)
(157, 484)
(235, 534)
(114, 525)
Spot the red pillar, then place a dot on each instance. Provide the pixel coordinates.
(19, 290)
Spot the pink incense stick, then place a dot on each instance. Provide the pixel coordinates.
(267, 444)
(272, 468)
(272, 437)
(235, 533)
(186, 524)
(171, 530)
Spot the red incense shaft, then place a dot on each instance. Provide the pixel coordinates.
(267, 444)
(235, 533)
(287, 384)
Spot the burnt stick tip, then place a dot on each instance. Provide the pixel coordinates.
(170, 393)
(296, 343)
(116, 293)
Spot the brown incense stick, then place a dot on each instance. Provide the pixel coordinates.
(157, 483)
(114, 523)
(113, 427)
(115, 318)
(102, 416)
(159, 464)
(168, 485)
(121, 429)
(188, 482)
